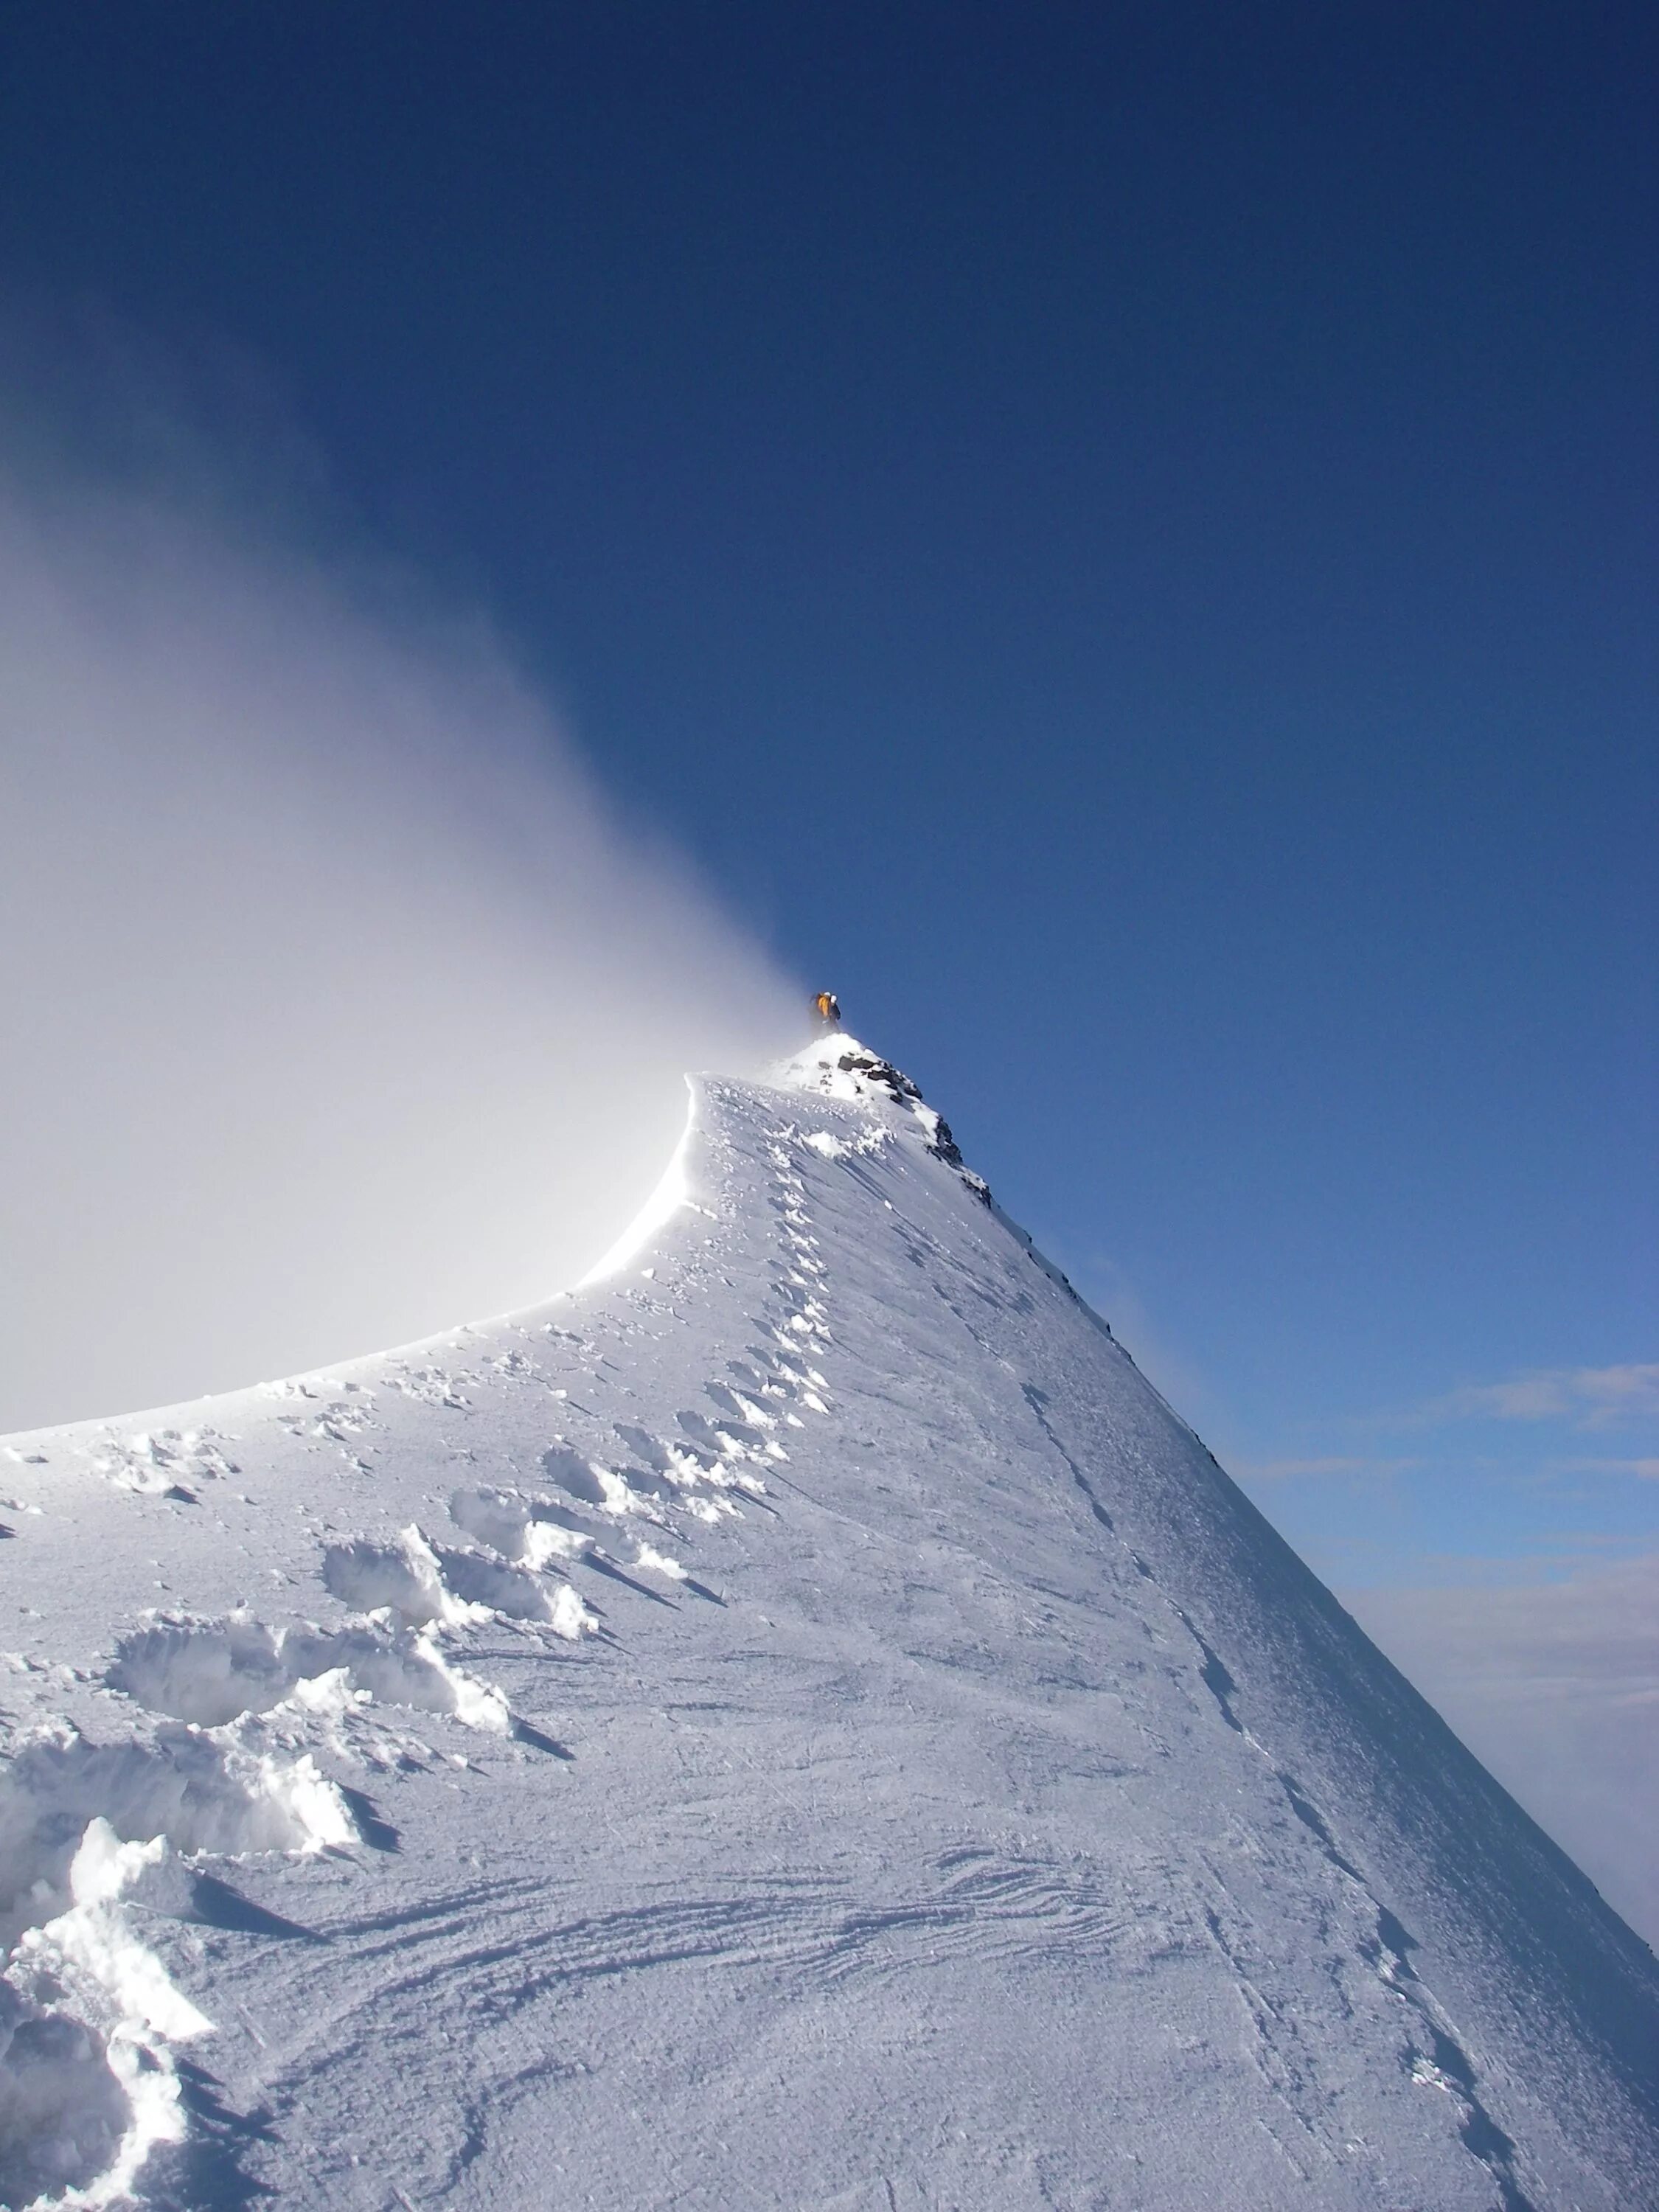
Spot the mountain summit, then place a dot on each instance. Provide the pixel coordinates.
(797, 1722)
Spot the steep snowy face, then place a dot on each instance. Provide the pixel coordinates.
(799, 1720)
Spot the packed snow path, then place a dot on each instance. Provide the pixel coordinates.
(799, 1723)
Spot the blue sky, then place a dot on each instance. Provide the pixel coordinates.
(1122, 538)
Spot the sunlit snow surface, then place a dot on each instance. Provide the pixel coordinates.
(798, 1722)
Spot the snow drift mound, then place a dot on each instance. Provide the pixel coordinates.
(799, 1720)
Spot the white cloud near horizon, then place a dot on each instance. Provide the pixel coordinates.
(1591, 1397)
(339, 1007)
(1555, 1686)
(1277, 1470)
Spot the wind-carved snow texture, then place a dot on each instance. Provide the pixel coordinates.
(171, 1463)
(88, 2015)
(799, 1720)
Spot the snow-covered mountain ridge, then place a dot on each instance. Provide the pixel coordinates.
(796, 1722)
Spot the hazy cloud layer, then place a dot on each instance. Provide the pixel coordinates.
(1280, 1470)
(1555, 1688)
(1593, 1397)
(337, 1008)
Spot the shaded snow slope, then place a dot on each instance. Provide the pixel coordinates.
(797, 1722)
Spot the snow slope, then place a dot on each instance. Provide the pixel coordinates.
(798, 1722)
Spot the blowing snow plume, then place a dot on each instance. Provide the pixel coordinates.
(337, 1008)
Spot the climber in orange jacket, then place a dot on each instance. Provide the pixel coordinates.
(827, 1007)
